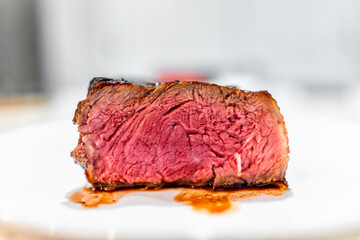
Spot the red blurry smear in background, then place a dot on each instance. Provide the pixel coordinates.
(182, 75)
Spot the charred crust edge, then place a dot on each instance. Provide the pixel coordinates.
(102, 81)
(99, 82)
(209, 186)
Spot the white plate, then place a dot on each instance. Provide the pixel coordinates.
(37, 174)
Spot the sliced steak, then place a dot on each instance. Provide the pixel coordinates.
(179, 134)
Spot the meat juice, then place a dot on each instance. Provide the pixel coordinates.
(218, 201)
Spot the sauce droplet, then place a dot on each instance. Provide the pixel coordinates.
(221, 201)
(90, 198)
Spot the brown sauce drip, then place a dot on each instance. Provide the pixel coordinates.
(217, 201)
(220, 201)
(90, 198)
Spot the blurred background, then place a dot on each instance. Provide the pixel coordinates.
(305, 53)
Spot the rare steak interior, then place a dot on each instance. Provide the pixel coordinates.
(179, 134)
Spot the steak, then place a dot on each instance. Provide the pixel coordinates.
(179, 134)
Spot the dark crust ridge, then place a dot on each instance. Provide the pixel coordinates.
(105, 187)
(103, 82)
(99, 82)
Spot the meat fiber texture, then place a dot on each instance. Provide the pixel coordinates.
(179, 134)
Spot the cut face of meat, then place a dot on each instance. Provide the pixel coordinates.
(179, 134)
